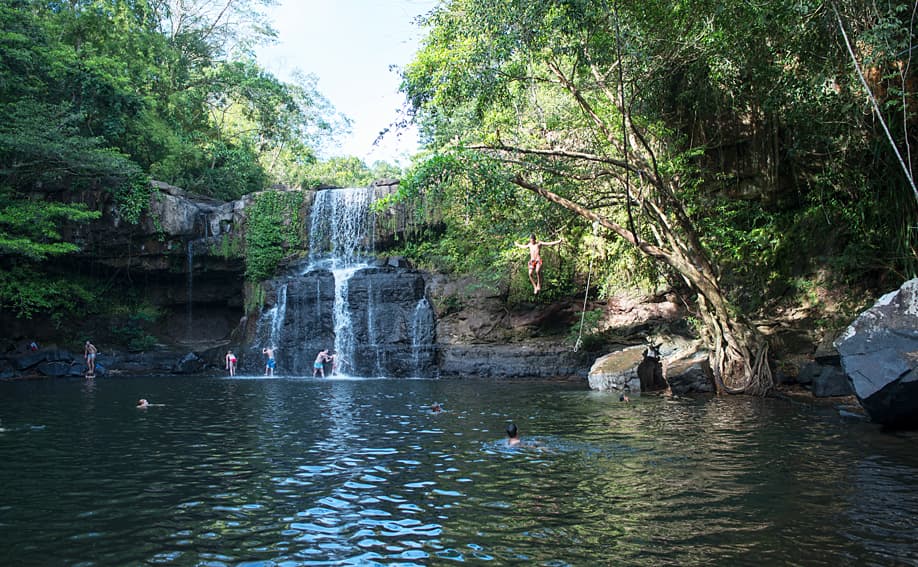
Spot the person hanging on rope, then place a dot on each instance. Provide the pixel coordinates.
(535, 260)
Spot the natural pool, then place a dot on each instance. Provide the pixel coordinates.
(301, 471)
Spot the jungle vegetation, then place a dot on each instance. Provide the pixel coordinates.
(108, 94)
(725, 147)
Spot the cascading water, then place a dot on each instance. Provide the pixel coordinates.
(421, 327)
(189, 330)
(277, 319)
(344, 329)
(270, 325)
(371, 311)
(340, 237)
(341, 228)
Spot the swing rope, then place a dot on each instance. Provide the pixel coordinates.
(586, 295)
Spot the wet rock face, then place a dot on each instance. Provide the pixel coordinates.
(305, 328)
(390, 331)
(879, 353)
(392, 322)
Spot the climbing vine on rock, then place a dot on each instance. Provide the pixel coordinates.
(272, 232)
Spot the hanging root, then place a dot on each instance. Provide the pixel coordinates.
(744, 373)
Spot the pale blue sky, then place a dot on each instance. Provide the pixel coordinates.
(349, 45)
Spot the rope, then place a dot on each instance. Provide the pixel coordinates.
(586, 294)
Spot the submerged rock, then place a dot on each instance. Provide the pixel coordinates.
(879, 352)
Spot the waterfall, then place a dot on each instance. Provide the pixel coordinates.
(421, 323)
(341, 228)
(189, 330)
(340, 236)
(373, 315)
(271, 323)
(277, 318)
(344, 330)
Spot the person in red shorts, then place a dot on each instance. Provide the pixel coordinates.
(535, 260)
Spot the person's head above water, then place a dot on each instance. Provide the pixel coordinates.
(142, 403)
(512, 431)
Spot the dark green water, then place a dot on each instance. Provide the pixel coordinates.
(296, 471)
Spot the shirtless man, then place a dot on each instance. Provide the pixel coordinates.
(89, 353)
(271, 363)
(513, 435)
(535, 260)
(319, 365)
(231, 363)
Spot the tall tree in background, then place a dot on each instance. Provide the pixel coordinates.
(626, 113)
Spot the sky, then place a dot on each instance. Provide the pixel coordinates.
(350, 45)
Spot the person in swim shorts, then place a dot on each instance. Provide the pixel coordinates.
(535, 260)
(271, 363)
(89, 353)
(318, 367)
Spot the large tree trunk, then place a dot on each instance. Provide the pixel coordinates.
(738, 352)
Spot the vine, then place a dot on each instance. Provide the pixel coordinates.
(273, 229)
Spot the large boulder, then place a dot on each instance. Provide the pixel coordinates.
(879, 353)
(831, 381)
(690, 374)
(618, 370)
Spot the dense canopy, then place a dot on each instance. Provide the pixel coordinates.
(724, 141)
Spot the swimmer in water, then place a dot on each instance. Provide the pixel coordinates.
(142, 403)
(436, 407)
(513, 435)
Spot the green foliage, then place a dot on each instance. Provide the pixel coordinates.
(133, 198)
(25, 290)
(31, 228)
(752, 111)
(272, 231)
(171, 90)
(345, 172)
(130, 319)
(228, 247)
(254, 296)
(588, 330)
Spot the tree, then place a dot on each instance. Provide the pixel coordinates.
(617, 111)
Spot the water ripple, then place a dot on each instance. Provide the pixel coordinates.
(303, 472)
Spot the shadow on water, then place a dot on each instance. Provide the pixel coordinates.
(303, 471)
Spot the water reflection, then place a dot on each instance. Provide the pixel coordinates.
(296, 471)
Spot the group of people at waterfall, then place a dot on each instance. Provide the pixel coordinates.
(534, 246)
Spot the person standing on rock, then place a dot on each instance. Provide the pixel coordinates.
(535, 260)
(89, 353)
(231, 363)
(271, 363)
